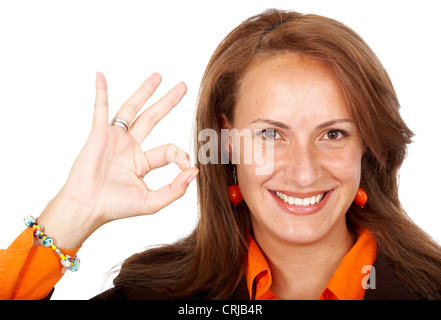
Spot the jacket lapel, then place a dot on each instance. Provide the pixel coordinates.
(387, 284)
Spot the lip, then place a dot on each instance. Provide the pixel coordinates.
(301, 195)
(301, 210)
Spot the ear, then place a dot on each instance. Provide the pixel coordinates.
(226, 143)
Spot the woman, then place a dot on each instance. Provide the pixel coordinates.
(311, 96)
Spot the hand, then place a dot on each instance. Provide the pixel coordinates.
(106, 181)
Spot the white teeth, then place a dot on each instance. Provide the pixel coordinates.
(300, 201)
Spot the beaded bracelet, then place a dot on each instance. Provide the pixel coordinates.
(72, 264)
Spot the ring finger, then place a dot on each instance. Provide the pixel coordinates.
(131, 107)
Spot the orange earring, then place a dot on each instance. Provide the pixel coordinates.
(361, 198)
(234, 190)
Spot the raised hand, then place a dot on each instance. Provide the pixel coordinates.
(106, 181)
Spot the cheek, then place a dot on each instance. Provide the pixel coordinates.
(251, 183)
(344, 164)
(257, 155)
(256, 167)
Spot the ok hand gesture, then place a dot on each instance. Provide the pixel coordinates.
(106, 181)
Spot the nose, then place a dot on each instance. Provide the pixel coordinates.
(302, 165)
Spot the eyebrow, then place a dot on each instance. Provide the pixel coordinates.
(285, 126)
(272, 122)
(330, 123)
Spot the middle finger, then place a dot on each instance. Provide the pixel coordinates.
(145, 122)
(131, 107)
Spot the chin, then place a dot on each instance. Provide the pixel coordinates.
(296, 229)
(287, 229)
(302, 235)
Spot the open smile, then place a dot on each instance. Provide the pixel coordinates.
(301, 204)
(300, 201)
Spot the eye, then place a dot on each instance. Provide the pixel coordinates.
(334, 135)
(269, 134)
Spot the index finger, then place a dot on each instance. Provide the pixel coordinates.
(146, 121)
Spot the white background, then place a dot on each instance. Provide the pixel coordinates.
(50, 51)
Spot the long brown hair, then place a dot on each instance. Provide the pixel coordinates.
(211, 261)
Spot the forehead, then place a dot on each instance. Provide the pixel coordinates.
(285, 85)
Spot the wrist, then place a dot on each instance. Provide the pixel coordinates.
(69, 262)
(69, 221)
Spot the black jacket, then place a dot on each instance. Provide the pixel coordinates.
(387, 287)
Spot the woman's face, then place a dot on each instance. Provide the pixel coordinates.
(295, 115)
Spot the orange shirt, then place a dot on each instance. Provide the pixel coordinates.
(345, 284)
(28, 271)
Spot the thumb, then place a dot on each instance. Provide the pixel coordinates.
(158, 199)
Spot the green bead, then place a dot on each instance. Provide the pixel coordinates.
(48, 242)
(76, 265)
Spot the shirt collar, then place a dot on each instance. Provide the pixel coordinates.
(347, 281)
(345, 284)
(258, 273)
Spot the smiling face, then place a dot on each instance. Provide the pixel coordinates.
(294, 105)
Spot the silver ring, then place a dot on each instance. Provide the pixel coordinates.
(120, 122)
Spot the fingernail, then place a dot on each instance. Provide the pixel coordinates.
(187, 162)
(194, 175)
